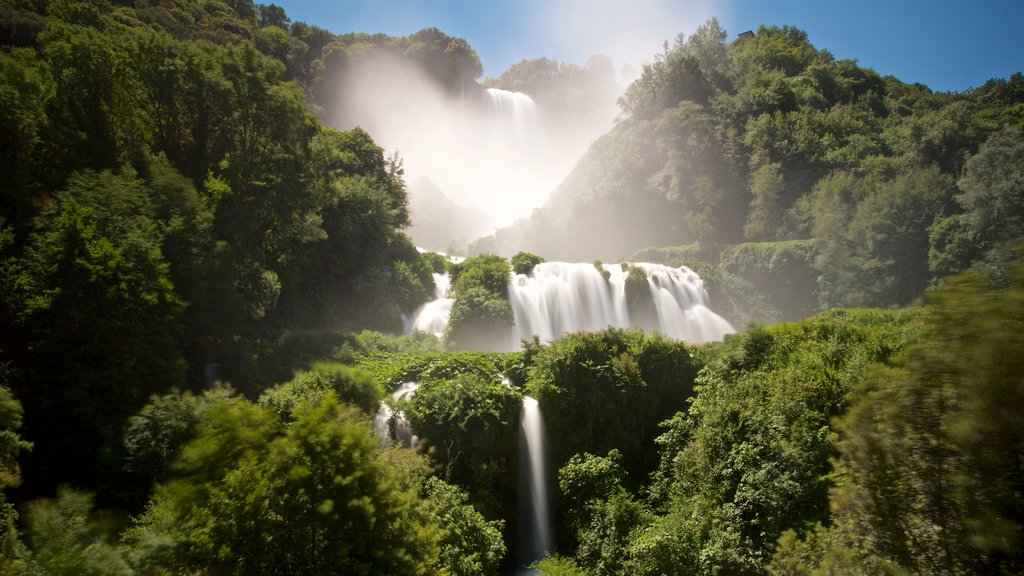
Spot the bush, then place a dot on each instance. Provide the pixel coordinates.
(646, 377)
(353, 385)
(319, 496)
(481, 317)
(470, 426)
(523, 262)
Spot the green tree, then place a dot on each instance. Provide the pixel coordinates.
(748, 460)
(25, 90)
(481, 317)
(881, 257)
(470, 544)
(765, 219)
(992, 187)
(154, 436)
(65, 537)
(469, 425)
(929, 478)
(11, 445)
(253, 496)
(95, 296)
(523, 262)
(574, 379)
(353, 385)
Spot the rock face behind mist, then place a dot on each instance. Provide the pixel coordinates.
(438, 223)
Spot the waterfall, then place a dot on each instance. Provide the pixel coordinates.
(535, 529)
(557, 298)
(390, 425)
(515, 113)
(432, 317)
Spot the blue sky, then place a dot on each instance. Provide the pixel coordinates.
(949, 45)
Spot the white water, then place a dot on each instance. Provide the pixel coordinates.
(557, 298)
(534, 494)
(514, 113)
(432, 317)
(390, 425)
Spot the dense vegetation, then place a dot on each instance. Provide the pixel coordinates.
(768, 138)
(193, 267)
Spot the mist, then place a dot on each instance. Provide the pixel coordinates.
(491, 152)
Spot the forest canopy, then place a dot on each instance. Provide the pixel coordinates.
(201, 283)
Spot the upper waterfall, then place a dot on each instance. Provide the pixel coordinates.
(513, 112)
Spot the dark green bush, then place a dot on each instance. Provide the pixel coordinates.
(469, 424)
(645, 377)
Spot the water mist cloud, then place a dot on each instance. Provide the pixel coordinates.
(475, 148)
(473, 154)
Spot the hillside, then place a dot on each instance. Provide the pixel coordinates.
(205, 259)
(768, 138)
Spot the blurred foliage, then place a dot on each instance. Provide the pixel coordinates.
(929, 477)
(250, 495)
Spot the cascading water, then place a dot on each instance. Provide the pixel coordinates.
(514, 112)
(535, 527)
(556, 298)
(390, 425)
(432, 317)
(682, 305)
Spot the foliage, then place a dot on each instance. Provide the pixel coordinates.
(749, 459)
(11, 445)
(602, 514)
(574, 379)
(469, 425)
(558, 566)
(252, 496)
(882, 255)
(394, 369)
(154, 436)
(470, 544)
(783, 271)
(481, 317)
(351, 385)
(992, 187)
(64, 537)
(103, 318)
(928, 476)
(605, 541)
(523, 262)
